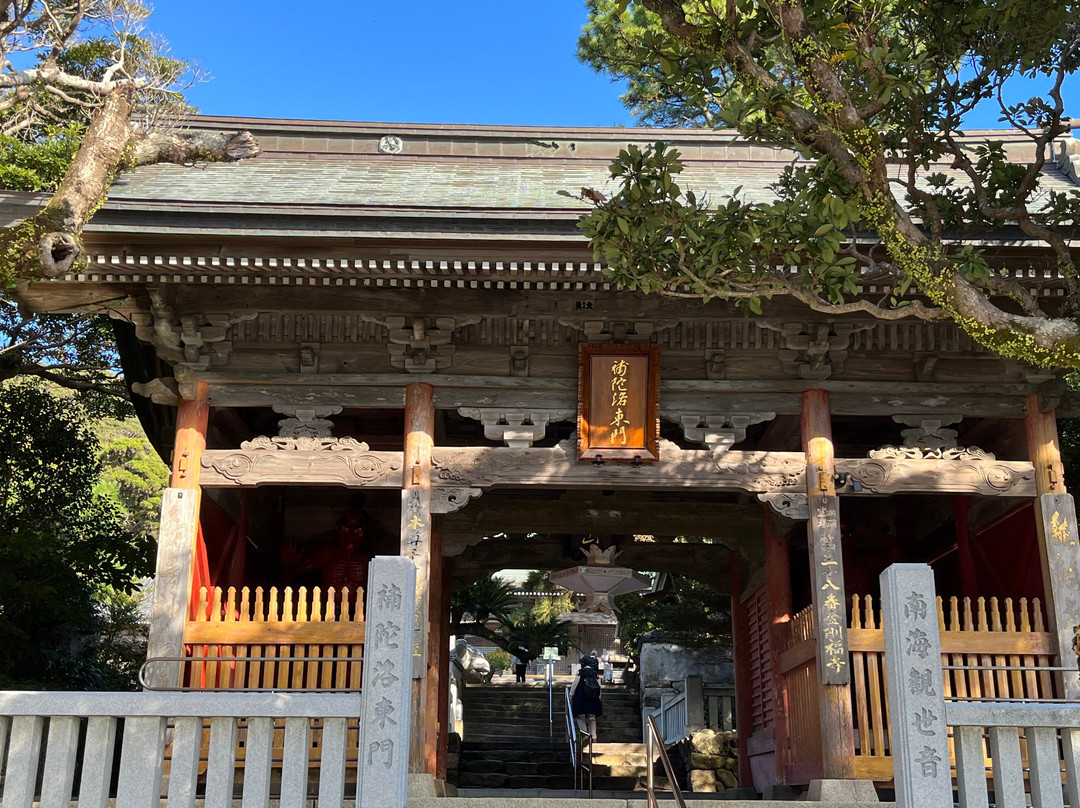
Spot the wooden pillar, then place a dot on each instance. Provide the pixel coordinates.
(827, 588)
(740, 636)
(438, 638)
(778, 605)
(416, 544)
(1059, 540)
(966, 561)
(177, 532)
(192, 418)
(446, 723)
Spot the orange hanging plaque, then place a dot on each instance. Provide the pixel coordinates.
(618, 403)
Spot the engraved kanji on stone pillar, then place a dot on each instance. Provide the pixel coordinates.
(920, 743)
(387, 683)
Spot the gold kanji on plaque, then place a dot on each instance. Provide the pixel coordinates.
(618, 406)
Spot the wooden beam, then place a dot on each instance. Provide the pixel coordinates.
(597, 514)
(829, 598)
(276, 461)
(495, 388)
(778, 606)
(416, 539)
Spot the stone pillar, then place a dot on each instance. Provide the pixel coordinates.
(827, 589)
(177, 532)
(1059, 552)
(416, 545)
(384, 741)
(920, 744)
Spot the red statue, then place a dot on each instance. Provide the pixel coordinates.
(340, 566)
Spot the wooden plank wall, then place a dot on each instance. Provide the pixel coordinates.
(271, 640)
(761, 700)
(799, 665)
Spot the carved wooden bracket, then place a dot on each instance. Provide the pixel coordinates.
(617, 331)
(192, 341)
(814, 350)
(160, 391)
(518, 429)
(716, 431)
(420, 344)
(929, 433)
(451, 500)
(456, 545)
(305, 422)
(983, 475)
(309, 357)
(519, 360)
(286, 461)
(788, 503)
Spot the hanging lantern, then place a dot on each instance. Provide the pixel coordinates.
(599, 580)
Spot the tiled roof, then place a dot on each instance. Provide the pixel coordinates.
(437, 183)
(342, 166)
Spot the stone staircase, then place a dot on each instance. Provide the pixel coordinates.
(491, 768)
(519, 713)
(511, 747)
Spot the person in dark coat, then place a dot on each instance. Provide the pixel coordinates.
(585, 696)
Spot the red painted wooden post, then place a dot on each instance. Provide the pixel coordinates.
(445, 722)
(823, 535)
(438, 638)
(968, 579)
(778, 600)
(192, 418)
(740, 631)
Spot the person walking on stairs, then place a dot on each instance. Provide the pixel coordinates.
(585, 696)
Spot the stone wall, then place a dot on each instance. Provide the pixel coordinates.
(713, 761)
(665, 664)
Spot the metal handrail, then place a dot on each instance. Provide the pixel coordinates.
(651, 738)
(577, 751)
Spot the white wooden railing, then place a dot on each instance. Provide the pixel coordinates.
(40, 733)
(1000, 739)
(696, 707)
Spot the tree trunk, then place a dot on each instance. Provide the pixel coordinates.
(49, 244)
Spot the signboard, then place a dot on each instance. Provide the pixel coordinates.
(830, 609)
(550, 652)
(618, 403)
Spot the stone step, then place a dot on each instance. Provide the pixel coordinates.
(565, 798)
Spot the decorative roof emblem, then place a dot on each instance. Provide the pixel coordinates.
(390, 144)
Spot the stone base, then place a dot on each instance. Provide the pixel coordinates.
(781, 791)
(848, 791)
(422, 784)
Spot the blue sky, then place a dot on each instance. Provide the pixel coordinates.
(415, 61)
(478, 61)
